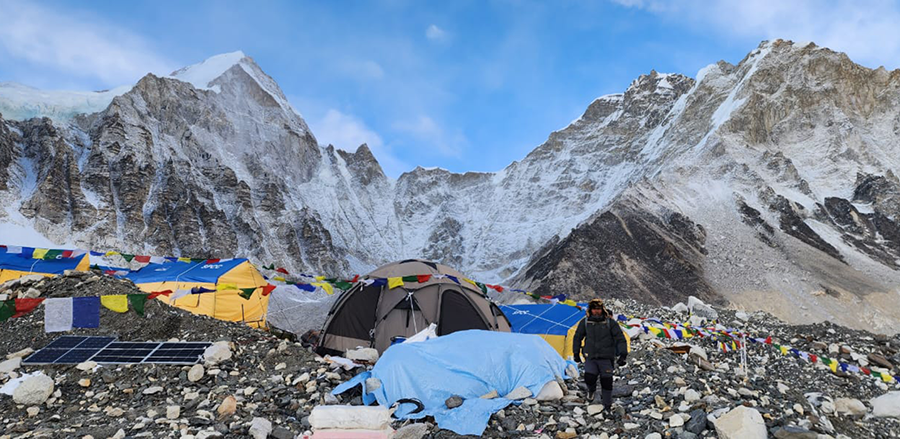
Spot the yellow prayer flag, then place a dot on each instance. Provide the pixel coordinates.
(471, 282)
(784, 350)
(394, 282)
(570, 302)
(223, 287)
(833, 365)
(184, 259)
(39, 253)
(320, 278)
(325, 286)
(279, 278)
(112, 253)
(117, 302)
(886, 377)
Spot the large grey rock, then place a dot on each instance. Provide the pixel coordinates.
(260, 428)
(8, 366)
(741, 423)
(701, 309)
(518, 393)
(217, 352)
(34, 390)
(195, 373)
(850, 406)
(887, 405)
(794, 432)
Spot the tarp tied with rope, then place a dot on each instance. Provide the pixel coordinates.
(21, 263)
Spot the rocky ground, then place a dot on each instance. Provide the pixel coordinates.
(266, 385)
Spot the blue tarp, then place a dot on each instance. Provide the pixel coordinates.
(199, 272)
(466, 363)
(20, 262)
(542, 318)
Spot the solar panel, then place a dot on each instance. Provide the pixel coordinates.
(74, 350)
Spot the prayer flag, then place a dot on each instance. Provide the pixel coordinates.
(394, 282)
(58, 315)
(142, 259)
(7, 309)
(25, 306)
(327, 287)
(246, 293)
(117, 302)
(85, 312)
(266, 290)
(137, 302)
(422, 278)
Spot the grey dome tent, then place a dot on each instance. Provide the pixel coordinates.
(370, 314)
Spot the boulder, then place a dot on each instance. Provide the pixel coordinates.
(741, 423)
(227, 407)
(520, 393)
(697, 307)
(350, 417)
(260, 428)
(680, 308)
(34, 390)
(794, 432)
(550, 392)
(850, 406)
(697, 423)
(364, 355)
(10, 365)
(887, 405)
(217, 353)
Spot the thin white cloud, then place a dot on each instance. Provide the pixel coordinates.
(435, 33)
(867, 32)
(83, 46)
(427, 131)
(348, 132)
(360, 69)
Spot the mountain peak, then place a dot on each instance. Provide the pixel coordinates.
(200, 75)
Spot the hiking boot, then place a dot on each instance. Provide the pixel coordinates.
(590, 397)
(597, 397)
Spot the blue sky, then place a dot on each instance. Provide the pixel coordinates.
(463, 85)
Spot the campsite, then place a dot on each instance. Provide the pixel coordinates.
(509, 369)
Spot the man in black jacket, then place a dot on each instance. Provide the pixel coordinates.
(604, 343)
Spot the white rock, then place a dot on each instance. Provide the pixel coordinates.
(196, 373)
(31, 293)
(217, 353)
(119, 434)
(741, 423)
(20, 354)
(676, 421)
(630, 426)
(593, 409)
(33, 411)
(260, 428)
(34, 390)
(550, 392)
(691, 395)
(372, 384)
(152, 390)
(698, 351)
(701, 309)
(653, 436)
(10, 365)
(368, 355)
(173, 412)
(696, 321)
(519, 393)
(742, 315)
(850, 406)
(887, 405)
(350, 417)
(680, 308)
(86, 366)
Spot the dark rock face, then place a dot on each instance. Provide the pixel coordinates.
(627, 252)
(793, 223)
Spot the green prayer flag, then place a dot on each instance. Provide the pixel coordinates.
(344, 285)
(410, 278)
(195, 260)
(127, 257)
(246, 293)
(137, 302)
(7, 309)
(52, 254)
(483, 288)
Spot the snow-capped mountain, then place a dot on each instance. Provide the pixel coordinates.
(769, 184)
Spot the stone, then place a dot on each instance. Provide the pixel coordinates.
(84, 382)
(520, 392)
(217, 353)
(680, 308)
(33, 411)
(281, 433)
(350, 417)
(363, 355)
(887, 405)
(742, 316)
(697, 351)
(676, 421)
(550, 392)
(453, 402)
(31, 293)
(850, 406)
(260, 428)
(741, 423)
(697, 307)
(490, 395)
(114, 412)
(34, 390)
(10, 365)
(330, 399)
(653, 436)
(152, 390)
(593, 409)
(227, 407)
(691, 395)
(793, 432)
(196, 373)
(173, 412)
(411, 431)
(20, 354)
(86, 366)
(880, 360)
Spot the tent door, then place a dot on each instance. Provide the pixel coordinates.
(458, 314)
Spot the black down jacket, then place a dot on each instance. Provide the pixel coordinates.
(603, 339)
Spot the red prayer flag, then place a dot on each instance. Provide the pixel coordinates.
(422, 278)
(768, 340)
(25, 306)
(813, 358)
(866, 370)
(281, 270)
(267, 289)
(156, 294)
(355, 279)
(496, 288)
(142, 259)
(67, 254)
(212, 261)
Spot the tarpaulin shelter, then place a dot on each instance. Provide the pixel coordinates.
(218, 283)
(16, 265)
(554, 322)
(375, 312)
(466, 363)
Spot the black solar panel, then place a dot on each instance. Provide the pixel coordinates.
(74, 350)
(66, 342)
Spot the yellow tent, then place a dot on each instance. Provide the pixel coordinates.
(48, 263)
(216, 288)
(554, 322)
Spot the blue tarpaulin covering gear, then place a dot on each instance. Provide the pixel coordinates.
(466, 363)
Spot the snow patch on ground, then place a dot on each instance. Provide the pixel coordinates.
(21, 102)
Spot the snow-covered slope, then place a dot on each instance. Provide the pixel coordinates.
(768, 184)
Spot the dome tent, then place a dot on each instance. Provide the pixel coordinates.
(372, 314)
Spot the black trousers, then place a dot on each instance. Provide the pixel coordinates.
(602, 369)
